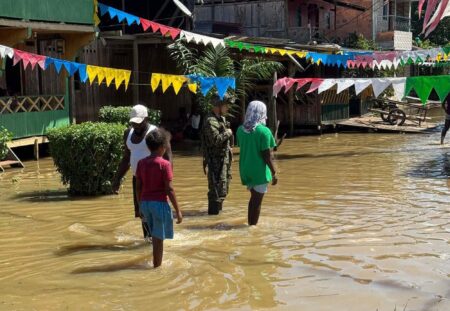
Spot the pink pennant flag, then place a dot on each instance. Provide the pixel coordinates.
(431, 5)
(28, 59)
(302, 82)
(315, 84)
(278, 86)
(289, 83)
(421, 3)
(351, 64)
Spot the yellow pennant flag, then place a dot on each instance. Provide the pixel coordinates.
(110, 75)
(166, 82)
(301, 54)
(127, 76)
(120, 77)
(177, 83)
(92, 73)
(193, 87)
(281, 52)
(101, 74)
(155, 79)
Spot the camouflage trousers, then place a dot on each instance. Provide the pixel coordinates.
(219, 178)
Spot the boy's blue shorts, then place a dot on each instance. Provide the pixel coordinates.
(159, 218)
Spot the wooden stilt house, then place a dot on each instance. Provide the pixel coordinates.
(34, 101)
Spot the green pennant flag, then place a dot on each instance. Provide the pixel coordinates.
(446, 49)
(240, 45)
(231, 43)
(256, 48)
(424, 85)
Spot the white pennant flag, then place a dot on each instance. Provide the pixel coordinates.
(399, 88)
(343, 84)
(200, 39)
(361, 85)
(379, 85)
(6, 51)
(326, 85)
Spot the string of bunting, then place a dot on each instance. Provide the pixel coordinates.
(347, 59)
(85, 71)
(423, 86)
(222, 84)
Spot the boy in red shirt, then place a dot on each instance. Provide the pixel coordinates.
(153, 186)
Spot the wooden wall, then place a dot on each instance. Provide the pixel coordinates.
(88, 99)
(119, 54)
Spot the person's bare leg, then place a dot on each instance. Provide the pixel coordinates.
(157, 251)
(254, 207)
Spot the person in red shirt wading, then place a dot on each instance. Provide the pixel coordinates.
(153, 186)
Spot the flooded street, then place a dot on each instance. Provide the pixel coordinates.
(357, 222)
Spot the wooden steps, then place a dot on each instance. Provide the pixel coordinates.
(11, 160)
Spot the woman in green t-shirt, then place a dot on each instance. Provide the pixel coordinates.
(256, 162)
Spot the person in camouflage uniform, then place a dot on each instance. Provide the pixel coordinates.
(217, 140)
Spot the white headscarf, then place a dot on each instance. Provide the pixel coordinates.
(256, 114)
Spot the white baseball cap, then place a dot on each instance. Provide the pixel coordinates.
(138, 113)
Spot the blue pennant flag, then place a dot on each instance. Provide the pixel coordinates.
(56, 62)
(82, 72)
(222, 85)
(121, 15)
(206, 84)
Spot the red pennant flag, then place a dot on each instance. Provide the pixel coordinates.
(145, 23)
(174, 32)
(302, 82)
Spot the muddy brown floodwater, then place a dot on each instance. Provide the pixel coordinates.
(357, 222)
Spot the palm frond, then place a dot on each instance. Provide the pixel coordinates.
(215, 62)
(185, 57)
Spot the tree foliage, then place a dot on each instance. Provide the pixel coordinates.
(217, 62)
(5, 137)
(121, 114)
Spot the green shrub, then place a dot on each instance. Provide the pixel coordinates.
(5, 136)
(121, 115)
(87, 155)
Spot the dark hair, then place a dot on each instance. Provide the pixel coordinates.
(156, 139)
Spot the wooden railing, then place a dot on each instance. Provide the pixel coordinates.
(17, 104)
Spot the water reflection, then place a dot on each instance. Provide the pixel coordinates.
(357, 222)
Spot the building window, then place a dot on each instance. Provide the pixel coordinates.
(385, 7)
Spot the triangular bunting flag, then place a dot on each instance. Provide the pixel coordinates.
(361, 85)
(379, 85)
(343, 84)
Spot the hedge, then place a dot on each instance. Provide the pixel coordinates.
(5, 137)
(121, 115)
(87, 155)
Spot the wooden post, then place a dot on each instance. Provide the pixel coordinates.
(242, 100)
(291, 72)
(273, 106)
(36, 149)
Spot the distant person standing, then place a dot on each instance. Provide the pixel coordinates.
(217, 140)
(136, 149)
(256, 161)
(446, 107)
